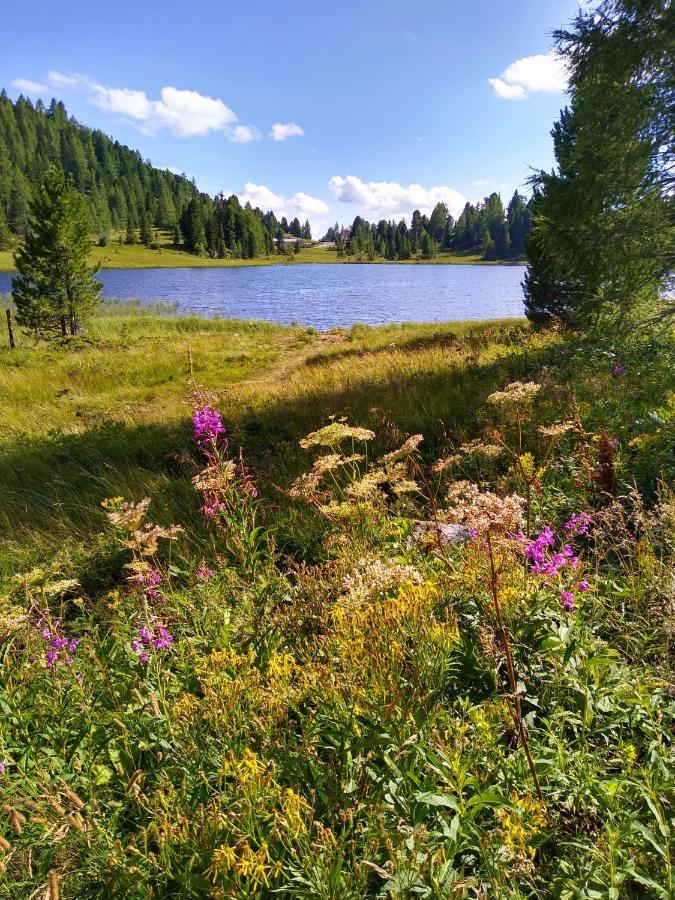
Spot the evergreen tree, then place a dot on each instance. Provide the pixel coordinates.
(5, 233)
(144, 233)
(604, 216)
(55, 291)
(131, 229)
(437, 222)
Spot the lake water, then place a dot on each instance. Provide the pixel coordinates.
(326, 295)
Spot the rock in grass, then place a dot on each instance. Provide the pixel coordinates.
(428, 534)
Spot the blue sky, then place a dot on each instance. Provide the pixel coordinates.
(379, 107)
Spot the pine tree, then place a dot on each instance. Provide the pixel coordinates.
(131, 229)
(5, 233)
(55, 290)
(144, 236)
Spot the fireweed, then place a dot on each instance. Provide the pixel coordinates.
(348, 725)
(227, 486)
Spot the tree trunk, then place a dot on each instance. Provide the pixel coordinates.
(64, 330)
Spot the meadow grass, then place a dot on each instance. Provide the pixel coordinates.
(138, 256)
(288, 696)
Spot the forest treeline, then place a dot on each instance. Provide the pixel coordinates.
(126, 195)
(122, 192)
(486, 228)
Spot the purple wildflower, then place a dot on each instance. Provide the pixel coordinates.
(567, 601)
(583, 586)
(150, 639)
(205, 572)
(2, 767)
(473, 533)
(618, 370)
(579, 523)
(144, 634)
(60, 648)
(163, 640)
(208, 427)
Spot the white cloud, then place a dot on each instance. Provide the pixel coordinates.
(244, 134)
(545, 72)
(282, 131)
(387, 198)
(59, 79)
(300, 204)
(491, 183)
(30, 87)
(182, 113)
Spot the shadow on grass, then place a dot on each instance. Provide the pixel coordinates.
(53, 486)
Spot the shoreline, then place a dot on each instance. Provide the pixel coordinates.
(116, 256)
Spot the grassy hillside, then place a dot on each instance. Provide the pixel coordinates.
(287, 694)
(137, 256)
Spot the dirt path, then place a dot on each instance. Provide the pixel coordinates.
(291, 357)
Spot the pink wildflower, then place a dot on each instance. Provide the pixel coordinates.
(567, 601)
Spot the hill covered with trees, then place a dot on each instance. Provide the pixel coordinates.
(122, 191)
(485, 228)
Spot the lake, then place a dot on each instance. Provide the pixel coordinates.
(326, 295)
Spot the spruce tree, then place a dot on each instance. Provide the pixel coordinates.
(145, 236)
(55, 290)
(131, 229)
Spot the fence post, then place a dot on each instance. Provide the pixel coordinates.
(10, 330)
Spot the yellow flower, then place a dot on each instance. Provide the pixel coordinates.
(224, 858)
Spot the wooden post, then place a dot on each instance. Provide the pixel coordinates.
(10, 330)
(192, 374)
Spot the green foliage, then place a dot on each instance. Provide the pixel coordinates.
(604, 223)
(55, 291)
(332, 716)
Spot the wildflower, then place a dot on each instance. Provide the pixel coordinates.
(147, 580)
(208, 428)
(583, 586)
(375, 577)
(579, 523)
(556, 429)
(163, 640)
(483, 510)
(515, 395)
(618, 370)
(334, 434)
(481, 449)
(567, 601)
(125, 513)
(60, 648)
(205, 572)
(405, 451)
(445, 463)
(148, 639)
(3, 766)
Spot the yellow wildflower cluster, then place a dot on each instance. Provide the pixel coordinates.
(376, 639)
(237, 689)
(255, 866)
(291, 818)
(519, 823)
